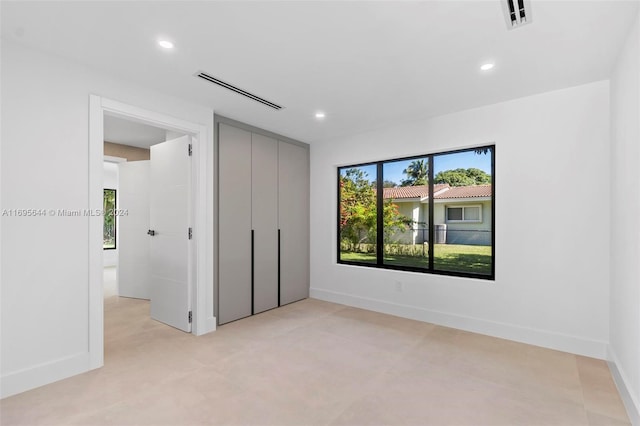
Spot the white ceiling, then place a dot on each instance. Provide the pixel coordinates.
(125, 132)
(366, 64)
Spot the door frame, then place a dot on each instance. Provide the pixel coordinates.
(201, 273)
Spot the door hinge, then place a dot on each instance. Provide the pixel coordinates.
(190, 233)
(190, 317)
(190, 150)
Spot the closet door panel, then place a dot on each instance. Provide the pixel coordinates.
(234, 233)
(293, 195)
(264, 200)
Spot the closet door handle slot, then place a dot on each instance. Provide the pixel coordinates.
(252, 268)
(279, 267)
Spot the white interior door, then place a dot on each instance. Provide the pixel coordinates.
(170, 184)
(133, 249)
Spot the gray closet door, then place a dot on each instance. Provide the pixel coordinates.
(234, 233)
(264, 221)
(293, 220)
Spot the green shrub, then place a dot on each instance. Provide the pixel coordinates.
(414, 250)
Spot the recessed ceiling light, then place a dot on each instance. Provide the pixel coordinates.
(487, 66)
(165, 44)
(320, 115)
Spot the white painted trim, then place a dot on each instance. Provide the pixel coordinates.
(621, 380)
(562, 342)
(152, 118)
(43, 374)
(112, 159)
(204, 320)
(95, 251)
(202, 302)
(209, 213)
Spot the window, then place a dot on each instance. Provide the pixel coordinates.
(454, 214)
(432, 213)
(109, 230)
(464, 214)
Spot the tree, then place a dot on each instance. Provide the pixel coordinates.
(393, 221)
(358, 211)
(417, 173)
(463, 177)
(385, 184)
(479, 176)
(357, 208)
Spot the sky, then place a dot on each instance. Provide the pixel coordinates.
(463, 160)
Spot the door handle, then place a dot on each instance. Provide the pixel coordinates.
(151, 232)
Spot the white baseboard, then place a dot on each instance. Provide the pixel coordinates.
(630, 401)
(43, 374)
(209, 326)
(532, 336)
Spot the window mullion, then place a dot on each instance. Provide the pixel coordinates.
(379, 214)
(431, 209)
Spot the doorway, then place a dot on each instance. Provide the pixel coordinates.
(198, 293)
(147, 190)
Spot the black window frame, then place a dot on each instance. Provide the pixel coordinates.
(379, 179)
(115, 223)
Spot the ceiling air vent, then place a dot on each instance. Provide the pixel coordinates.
(517, 12)
(239, 91)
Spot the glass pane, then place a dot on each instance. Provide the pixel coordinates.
(472, 213)
(109, 230)
(406, 213)
(465, 181)
(358, 230)
(454, 213)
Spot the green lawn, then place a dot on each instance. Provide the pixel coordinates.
(447, 257)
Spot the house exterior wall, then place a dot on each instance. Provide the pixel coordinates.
(415, 211)
(473, 233)
(406, 237)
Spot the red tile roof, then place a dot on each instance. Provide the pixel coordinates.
(475, 191)
(442, 191)
(419, 191)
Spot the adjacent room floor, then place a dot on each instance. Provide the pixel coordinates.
(319, 363)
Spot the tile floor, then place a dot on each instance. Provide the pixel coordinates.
(319, 363)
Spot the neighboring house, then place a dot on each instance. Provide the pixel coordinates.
(462, 214)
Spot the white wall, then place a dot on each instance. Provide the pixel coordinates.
(625, 228)
(44, 264)
(110, 181)
(552, 263)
